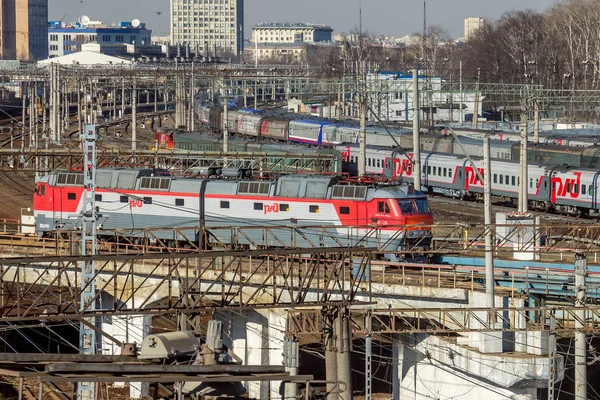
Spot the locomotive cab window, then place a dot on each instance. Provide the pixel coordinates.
(406, 206)
(41, 190)
(383, 207)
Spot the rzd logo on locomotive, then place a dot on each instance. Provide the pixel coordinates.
(136, 203)
(270, 208)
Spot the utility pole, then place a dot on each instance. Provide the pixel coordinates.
(368, 358)
(489, 253)
(536, 121)
(416, 132)
(344, 356)
(580, 336)
(523, 161)
(362, 139)
(87, 335)
(225, 122)
(329, 342)
(134, 116)
(476, 105)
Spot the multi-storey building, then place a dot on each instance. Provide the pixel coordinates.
(472, 25)
(63, 40)
(209, 27)
(23, 34)
(285, 32)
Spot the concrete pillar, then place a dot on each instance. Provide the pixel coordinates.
(344, 356)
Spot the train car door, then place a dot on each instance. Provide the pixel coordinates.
(594, 191)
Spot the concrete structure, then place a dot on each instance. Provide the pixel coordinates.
(23, 30)
(209, 27)
(391, 98)
(472, 25)
(63, 40)
(285, 32)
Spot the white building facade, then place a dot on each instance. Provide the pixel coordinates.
(392, 99)
(472, 25)
(209, 27)
(285, 32)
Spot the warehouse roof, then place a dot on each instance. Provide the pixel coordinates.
(86, 58)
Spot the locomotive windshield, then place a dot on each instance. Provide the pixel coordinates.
(411, 206)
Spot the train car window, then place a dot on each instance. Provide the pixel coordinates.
(568, 187)
(576, 188)
(591, 190)
(71, 196)
(180, 202)
(258, 206)
(449, 172)
(345, 210)
(501, 179)
(445, 171)
(513, 180)
(495, 178)
(583, 191)
(98, 197)
(123, 199)
(378, 163)
(507, 179)
(147, 200)
(422, 205)
(530, 182)
(313, 209)
(284, 207)
(429, 169)
(224, 204)
(424, 169)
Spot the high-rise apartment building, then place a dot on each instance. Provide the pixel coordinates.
(209, 27)
(23, 30)
(472, 25)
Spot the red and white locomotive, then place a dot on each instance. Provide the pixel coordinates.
(326, 209)
(563, 189)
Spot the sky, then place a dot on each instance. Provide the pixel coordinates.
(387, 17)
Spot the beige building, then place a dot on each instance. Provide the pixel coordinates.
(208, 26)
(23, 30)
(285, 32)
(282, 52)
(472, 25)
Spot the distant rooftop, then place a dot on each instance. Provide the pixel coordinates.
(298, 25)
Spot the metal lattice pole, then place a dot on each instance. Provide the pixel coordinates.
(87, 336)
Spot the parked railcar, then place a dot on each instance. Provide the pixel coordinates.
(275, 127)
(559, 188)
(150, 200)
